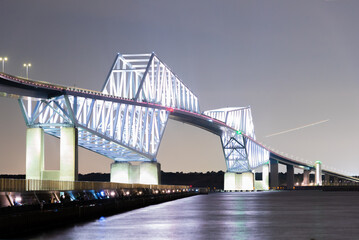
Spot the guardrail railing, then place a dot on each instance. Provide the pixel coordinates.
(21, 185)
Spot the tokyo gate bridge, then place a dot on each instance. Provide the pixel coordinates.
(126, 120)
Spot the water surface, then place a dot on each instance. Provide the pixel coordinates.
(249, 215)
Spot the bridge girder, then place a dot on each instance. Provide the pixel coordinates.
(120, 131)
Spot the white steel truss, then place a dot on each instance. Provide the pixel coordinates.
(145, 78)
(126, 121)
(120, 131)
(240, 152)
(117, 129)
(239, 118)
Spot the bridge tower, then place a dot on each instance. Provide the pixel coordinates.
(242, 154)
(145, 78)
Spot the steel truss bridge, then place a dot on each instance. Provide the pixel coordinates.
(127, 119)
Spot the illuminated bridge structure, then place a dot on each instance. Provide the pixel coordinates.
(127, 119)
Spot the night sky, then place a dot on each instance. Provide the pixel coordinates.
(294, 62)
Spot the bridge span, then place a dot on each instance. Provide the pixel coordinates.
(127, 119)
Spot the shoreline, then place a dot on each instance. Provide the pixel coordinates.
(22, 221)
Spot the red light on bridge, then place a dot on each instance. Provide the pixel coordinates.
(170, 109)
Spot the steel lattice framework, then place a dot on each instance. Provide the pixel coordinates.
(240, 152)
(117, 130)
(145, 78)
(114, 127)
(126, 121)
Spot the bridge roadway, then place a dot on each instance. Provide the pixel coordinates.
(15, 87)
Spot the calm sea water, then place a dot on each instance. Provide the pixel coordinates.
(255, 215)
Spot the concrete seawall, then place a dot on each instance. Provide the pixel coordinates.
(31, 206)
(21, 221)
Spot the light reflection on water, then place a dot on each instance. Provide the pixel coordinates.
(257, 215)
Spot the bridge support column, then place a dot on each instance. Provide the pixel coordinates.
(238, 181)
(34, 153)
(326, 180)
(340, 181)
(335, 181)
(120, 172)
(264, 183)
(231, 181)
(246, 181)
(144, 173)
(150, 173)
(305, 177)
(274, 183)
(318, 173)
(68, 154)
(265, 177)
(290, 176)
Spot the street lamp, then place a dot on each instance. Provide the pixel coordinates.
(27, 65)
(3, 59)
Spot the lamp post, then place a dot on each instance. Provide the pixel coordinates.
(27, 65)
(3, 59)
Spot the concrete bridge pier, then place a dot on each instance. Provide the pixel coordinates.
(246, 181)
(274, 181)
(306, 174)
(231, 183)
(238, 181)
(120, 172)
(262, 185)
(136, 172)
(35, 152)
(318, 173)
(326, 180)
(150, 173)
(265, 177)
(290, 176)
(69, 154)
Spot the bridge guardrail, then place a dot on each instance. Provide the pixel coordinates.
(21, 185)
